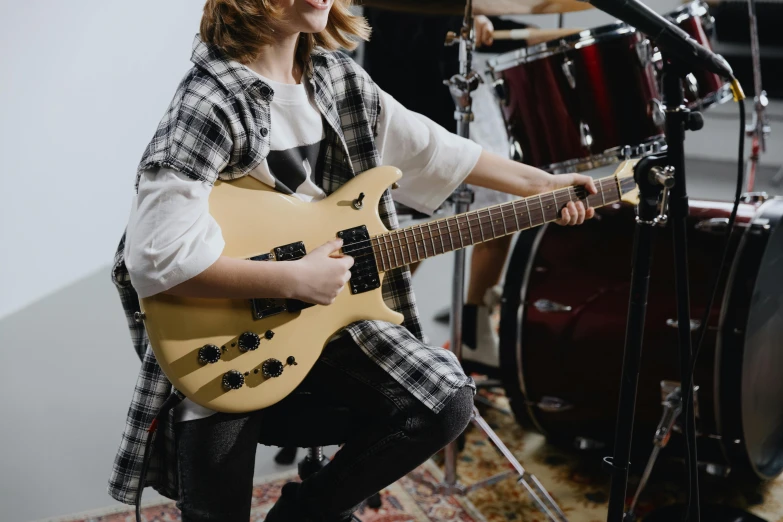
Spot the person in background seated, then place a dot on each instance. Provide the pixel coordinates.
(407, 58)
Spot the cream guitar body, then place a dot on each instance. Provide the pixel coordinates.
(255, 220)
(238, 355)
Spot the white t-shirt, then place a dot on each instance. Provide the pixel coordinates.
(171, 237)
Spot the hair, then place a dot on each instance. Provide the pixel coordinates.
(242, 27)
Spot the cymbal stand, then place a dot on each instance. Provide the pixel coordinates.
(461, 86)
(759, 129)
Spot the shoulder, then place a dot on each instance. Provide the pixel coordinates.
(200, 94)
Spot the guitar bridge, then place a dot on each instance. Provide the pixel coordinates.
(364, 273)
(265, 307)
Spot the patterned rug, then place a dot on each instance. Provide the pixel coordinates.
(576, 482)
(410, 499)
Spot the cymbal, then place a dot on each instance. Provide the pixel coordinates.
(485, 7)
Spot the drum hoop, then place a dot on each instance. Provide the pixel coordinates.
(558, 46)
(697, 8)
(725, 415)
(521, 311)
(608, 157)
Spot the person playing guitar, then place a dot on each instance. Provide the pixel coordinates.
(270, 96)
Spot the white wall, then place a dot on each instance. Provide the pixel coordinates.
(82, 88)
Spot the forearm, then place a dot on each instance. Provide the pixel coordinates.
(231, 278)
(501, 174)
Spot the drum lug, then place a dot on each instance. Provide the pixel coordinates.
(713, 226)
(644, 52)
(552, 404)
(586, 135)
(499, 88)
(568, 70)
(673, 323)
(754, 197)
(515, 150)
(657, 113)
(692, 85)
(546, 306)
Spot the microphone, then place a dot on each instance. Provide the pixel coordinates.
(666, 35)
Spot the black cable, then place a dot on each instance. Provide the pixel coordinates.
(688, 403)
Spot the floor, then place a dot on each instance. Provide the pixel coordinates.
(66, 384)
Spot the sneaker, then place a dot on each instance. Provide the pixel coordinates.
(480, 340)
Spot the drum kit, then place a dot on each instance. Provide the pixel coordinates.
(579, 101)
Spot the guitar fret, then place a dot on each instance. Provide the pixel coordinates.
(378, 254)
(503, 219)
(440, 236)
(459, 233)
(416, 245)
(543, 212)
(407, 247)
(481, 224)
(393, 248)
(432, 239)
(423, 243)
(470, 228)
(516, 214)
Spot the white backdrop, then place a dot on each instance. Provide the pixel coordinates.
(82, 88)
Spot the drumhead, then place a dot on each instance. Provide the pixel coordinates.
(559, 45)
(750, 353)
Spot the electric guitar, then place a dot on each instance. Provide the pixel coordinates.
(235, 355)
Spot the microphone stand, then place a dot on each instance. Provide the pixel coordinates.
(651, 173)
(461, 86)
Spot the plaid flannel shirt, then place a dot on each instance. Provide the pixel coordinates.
(217, 127)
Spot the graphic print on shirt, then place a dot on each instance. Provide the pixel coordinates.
(298, 170)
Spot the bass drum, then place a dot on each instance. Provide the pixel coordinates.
(563, 325)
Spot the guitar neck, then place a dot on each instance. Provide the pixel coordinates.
(404, 246)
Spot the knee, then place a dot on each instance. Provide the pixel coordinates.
(454, 417)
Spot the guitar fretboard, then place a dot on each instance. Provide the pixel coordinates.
(418, 242)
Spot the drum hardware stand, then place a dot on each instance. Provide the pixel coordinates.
(672, 407)
(461, 85)
(651, 173)
(759, 129)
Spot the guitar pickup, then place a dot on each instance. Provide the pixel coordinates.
(266, 307)
(364, 272)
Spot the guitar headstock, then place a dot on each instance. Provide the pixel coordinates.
(624, 174)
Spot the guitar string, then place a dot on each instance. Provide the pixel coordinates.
(403, 242)
(470, 221)
(503, 207)
(439, 236)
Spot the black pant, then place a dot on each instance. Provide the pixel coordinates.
(345, 399)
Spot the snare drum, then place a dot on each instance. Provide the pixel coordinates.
(582, 101)
(702, 88)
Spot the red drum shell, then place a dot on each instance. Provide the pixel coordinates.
(576, 103)
(562, 367)
(694, 18)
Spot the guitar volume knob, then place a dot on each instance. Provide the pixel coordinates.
(272, 368)
(249, 341)
(233, 380)
(208, 354)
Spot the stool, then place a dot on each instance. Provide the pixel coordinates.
(314, 462)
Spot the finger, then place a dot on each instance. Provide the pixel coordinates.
(580, 208)
(346, 278)
(330, 247)
(564, 217)
(590, 213)
(573, 214)
(346, 261)
(588, 183)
